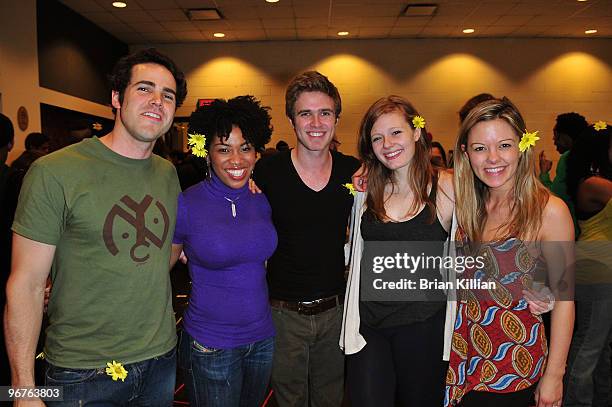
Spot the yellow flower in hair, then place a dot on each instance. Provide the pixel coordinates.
(600, 125)
(528, 140)
(418, 122)
(351, 188)
(197, 142)
(116, 371)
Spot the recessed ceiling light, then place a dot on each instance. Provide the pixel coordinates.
(468, 30)
(590, 31)
(219, 35)
(271, 1)
(343, 33)
(582, 0)
(119, 4)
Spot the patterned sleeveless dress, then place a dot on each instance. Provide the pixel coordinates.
(498, 345)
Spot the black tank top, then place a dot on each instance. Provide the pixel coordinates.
(385, 314)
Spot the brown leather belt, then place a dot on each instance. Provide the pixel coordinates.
(309, 307)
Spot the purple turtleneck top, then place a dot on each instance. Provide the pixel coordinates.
(229, 296)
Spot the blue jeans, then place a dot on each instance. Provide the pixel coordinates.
(236, 377)
(148, 383)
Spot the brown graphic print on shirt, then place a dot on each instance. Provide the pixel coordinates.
(134, 214)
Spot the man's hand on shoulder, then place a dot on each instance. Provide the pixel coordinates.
(360, 179)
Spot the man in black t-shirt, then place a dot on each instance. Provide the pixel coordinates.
(310, 209)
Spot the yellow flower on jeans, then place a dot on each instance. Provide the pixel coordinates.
(116, 371)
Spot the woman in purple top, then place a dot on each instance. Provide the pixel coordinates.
(227, 233)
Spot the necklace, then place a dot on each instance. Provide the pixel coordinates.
(233, 202)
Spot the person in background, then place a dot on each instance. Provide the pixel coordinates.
(36, 145)
(589, 184)
(471, 103)
(227, 343)
(395, 348)
(269, 152)
(7, 139)
(566, 134)
(500, 355)
(282, 146)
(310, 209)
(98, 216)
(438, 155)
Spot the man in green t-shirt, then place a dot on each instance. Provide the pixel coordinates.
(99, 217)
(566, 132)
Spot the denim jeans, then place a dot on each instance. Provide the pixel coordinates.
(308, 364)
(148, 383)
(235, 377)
(588, 370)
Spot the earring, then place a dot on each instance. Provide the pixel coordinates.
(208, 167)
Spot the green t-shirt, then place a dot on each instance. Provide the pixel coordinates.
(111, 219)
(558, 186)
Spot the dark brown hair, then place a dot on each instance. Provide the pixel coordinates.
(122, 72)
(421, 171)
(471, 103)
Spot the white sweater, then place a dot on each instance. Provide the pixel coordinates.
(351, 340)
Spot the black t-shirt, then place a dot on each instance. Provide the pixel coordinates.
(309, 261)
(386, 314)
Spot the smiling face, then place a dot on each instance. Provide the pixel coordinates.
(149, 103)
(314, 120)
(233, 159)
(492, 148)
(394, 140)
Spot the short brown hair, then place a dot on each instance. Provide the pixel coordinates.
(311, 81)
(122, 72)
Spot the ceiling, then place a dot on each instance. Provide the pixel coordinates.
(165, 21)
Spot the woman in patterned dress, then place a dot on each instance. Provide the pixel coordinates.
(500, 355)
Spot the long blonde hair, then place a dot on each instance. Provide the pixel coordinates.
(528, 196)
(421, 171)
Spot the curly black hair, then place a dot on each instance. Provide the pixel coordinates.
(245, 112)
(590, 156)
(122, 72)
(572, 124)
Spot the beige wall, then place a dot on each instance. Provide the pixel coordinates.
(543, 77)
(19, 72)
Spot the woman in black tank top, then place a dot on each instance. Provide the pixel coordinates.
(401, 363)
